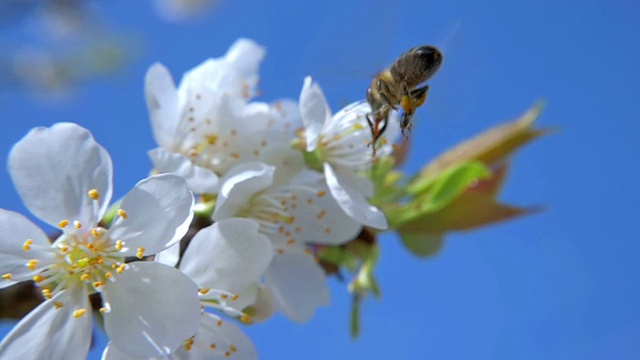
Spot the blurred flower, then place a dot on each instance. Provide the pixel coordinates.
(182, 10)
(292, 213)
(205, 126)
(65, 178)
(341, 143)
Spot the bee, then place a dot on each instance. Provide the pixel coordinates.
(398, 86)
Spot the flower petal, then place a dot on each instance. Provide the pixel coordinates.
(153, 308)
(170, 256)
(218, 339)
(53, 170)
(15, 229)
(239, 185)
(49, 332)
(162, 104)
(229, 255)
(352, 201)
(159, 211)
(298, 285)
(314, 111)
(199, 179)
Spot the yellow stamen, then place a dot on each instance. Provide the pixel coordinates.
(119, 245)
(7, 276)
(140, 253)
(31, 264)
(77, 224)
(79, 313)
(204, 291)
(84, 277)
(58, 304)
(103, 310)
(245, 319)
(213, 346)
(219, 323)
(27, 245)
(235, 297)
(63, 224)
(232, 348)
(38, 278)
(224, 296)
(122, 214)
(94, 194)
(121, 268)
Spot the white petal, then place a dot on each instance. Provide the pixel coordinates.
(298, 285)
(199, 179)
(54, 168)
(230, 342)
(314, 111)
(170, 256)
(239, 185)
(353, 202)
(162, 104)
(153, 309)
(229, 255)
(15, 229)
(159, 211)
(51, 333)
(246, 55)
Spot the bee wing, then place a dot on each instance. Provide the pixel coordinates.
(355, 38)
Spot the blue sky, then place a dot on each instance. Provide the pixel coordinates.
(559, 284)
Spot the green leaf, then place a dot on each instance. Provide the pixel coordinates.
(451, 183)
(423, 244)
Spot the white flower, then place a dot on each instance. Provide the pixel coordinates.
(65, 178)
(342, 142)
(224, 259)
(293, 214)
(205, 126)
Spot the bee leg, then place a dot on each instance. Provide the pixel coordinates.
(419, 95)
(383, 90)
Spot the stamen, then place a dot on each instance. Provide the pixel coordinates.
(31, 264)
(38, 278)
(94, 194)
(63, 224)
(27, 245)
(140, 253)
(122, 214)
(212, 346)
(204, 291)
(235, 297)
(245, 318)
(103, 310)
(58, 304)
(7, 276)
(232, 348)
(79, 313)
(46, 293)
(77, 224)
(219, 323)
(119, 244)
(188, 344)
(121, 268)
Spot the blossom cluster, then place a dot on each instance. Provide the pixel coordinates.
(275, 180)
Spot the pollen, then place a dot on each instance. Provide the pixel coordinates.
(27, 245)
(204, 291)
(84, 277)
(119, 245)
(38, 278)
(46, 293)
(31, 264)
(79, 313)
(322, 193)
(235, 297)
(227, 354)
(98, 284)
(321, 215)
(291, 242)
(7, 276)
(94, 194)
(212, 346)
(77, 224)
(245, 318)
(224, 296)
(121, 268)
(188, 344)
(211, 139)
(63, 224)
(219, 323)
(140, 253)
(103, 310)
(122, 214)
(58, 304)
(232, 348)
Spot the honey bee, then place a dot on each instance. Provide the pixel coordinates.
(398, 86)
